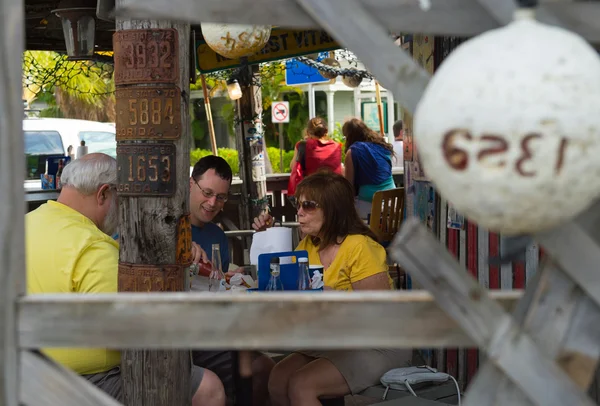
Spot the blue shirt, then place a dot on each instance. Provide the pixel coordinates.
(372, 169)
(211, 234)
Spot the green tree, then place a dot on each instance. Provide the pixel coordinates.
(80, 89)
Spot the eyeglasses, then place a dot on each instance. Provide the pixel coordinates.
(307, 205)
(209, 194)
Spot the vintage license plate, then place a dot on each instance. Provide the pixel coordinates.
(146, 170)
(146, 56)
(148, 113)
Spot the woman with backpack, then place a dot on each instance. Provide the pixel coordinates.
(368, 164)
(316, 152)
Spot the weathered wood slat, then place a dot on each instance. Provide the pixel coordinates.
(354, 27)
(44, 383)
(501, 10)
(246, 321)
(545, 311)
(577, 253)
(12, 207)
(445, 17)
(559, 320)
(508, 347)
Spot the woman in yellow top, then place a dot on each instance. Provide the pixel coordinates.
(339, 240)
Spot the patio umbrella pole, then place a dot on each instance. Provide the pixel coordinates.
(209, 118)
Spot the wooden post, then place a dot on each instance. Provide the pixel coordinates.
(249, 141)
(153, 127)
(12, 209)
(379, 109)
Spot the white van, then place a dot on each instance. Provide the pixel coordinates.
(45, 137)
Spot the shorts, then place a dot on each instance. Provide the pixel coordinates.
(111, 383)
(363, 368)
(221, 363)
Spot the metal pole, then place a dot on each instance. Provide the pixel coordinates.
(281, 168)
(312, 111)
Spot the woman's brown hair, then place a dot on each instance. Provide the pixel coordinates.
(356, 130)
(317, 127)
(335, 196)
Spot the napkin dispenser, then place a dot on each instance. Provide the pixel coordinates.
(289, 269)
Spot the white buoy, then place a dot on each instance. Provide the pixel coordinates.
(508, 129)
(235, 41)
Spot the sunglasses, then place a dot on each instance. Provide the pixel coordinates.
(307, 205)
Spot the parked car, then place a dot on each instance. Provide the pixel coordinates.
(45, 137)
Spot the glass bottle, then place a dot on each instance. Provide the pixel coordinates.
(275, 281)
(216, 280)
(303, 275)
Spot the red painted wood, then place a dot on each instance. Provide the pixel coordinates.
(542, 253)
(472, 267)
(452, 354)
(494, 251)
(453, 242)
(472, 248)
(519, 275)
(452, 362)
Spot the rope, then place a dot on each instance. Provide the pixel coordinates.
(348, 72)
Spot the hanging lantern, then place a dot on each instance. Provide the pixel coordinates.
(235, 41)
(79, 27)
(508, 128)
(331, 62)
(234, 90)
(352, 81)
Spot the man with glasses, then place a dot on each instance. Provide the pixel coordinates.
(209, 189)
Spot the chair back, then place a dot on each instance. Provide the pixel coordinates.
(386, 213)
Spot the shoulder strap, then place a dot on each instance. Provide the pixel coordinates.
(302, 154)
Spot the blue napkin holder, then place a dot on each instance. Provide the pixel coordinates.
(289, 272)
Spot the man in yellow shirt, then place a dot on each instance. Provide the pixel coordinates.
(69, 250)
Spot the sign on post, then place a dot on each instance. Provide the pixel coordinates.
(146, 56)
(283, 43)
(146, 169)
(148, 113)
(280, 112)
(298, 73)
(370, 115)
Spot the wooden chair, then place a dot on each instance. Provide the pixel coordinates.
(385, 220)
(386, 214)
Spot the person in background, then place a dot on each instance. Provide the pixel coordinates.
(398, 159)
(321, 151)
(82, 150)
(209, 190)
(337, 239)
(81, 257)
(368, 164)
(70, 153)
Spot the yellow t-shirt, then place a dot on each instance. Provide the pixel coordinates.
(357, 258)
(67, 253)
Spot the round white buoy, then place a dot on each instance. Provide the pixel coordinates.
(234, 40)
(508, 129)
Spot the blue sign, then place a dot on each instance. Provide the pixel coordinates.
(298, 73)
